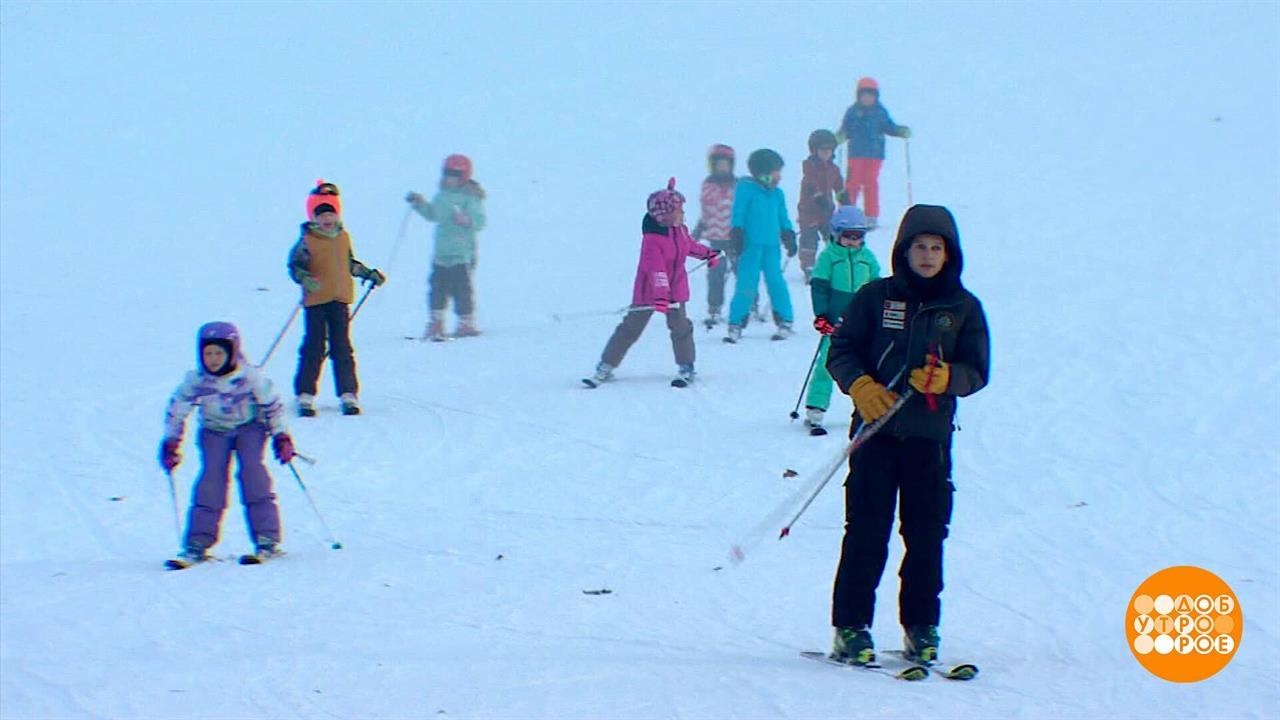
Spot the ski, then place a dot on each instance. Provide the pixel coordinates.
(817, 431)
(179, 563)
(911, 673)
(730, 340)
(959, 671)
(255, 559)
(306, 412)
(963, 671)
(591, 384)
(681, 382)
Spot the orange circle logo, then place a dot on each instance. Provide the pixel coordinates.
(1183, 624)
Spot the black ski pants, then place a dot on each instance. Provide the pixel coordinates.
(452, 282)
(887, 468)
(326, 322)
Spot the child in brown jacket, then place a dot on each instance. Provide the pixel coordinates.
(323, 263)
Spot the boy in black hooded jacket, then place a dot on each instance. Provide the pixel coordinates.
(919, 330)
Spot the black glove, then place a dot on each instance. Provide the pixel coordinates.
(737, 239)
(789, 242)
(843, 197)
(374, 277)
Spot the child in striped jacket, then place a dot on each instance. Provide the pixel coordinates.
(715, 223)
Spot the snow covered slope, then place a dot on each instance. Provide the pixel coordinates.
(1116, 175)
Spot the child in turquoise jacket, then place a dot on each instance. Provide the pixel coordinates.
(458, 211)
(845, 265)
(759, 223)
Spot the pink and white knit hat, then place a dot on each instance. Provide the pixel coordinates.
(663, 204)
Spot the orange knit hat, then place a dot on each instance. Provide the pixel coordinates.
(324, 193)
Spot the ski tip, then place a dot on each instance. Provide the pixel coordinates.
(913, 673)
(591, 384)
(964, 671)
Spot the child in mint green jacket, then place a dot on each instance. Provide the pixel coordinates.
(458, 211)
(845, 265)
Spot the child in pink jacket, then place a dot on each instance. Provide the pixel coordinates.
(662, 284)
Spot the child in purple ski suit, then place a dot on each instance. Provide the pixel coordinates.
(238, 409)
(662, 284)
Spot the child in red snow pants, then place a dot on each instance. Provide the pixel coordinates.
(864, 174)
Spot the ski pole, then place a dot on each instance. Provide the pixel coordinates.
(906, 144)
(599, 313)
(356, 310)
(289, 323)
(864, 434)
(177, 514)
(333, 542)
(705, 263)
(404, 228)
(795, 412)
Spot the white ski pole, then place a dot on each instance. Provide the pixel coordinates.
(906, 145)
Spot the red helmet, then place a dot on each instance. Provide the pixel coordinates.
(460, 164)
(868, 83)
(717, 152)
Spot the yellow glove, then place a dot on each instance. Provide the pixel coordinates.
(871, 398)
(933, 378)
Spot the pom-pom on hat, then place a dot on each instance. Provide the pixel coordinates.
(323, 194)
(663, 204)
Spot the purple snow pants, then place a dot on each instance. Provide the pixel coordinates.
(209, 497)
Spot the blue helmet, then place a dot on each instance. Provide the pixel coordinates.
(848, 217)
(223, 334)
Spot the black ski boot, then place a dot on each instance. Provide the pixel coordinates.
(854, 646)
(920, 644)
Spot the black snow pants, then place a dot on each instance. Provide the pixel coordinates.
(326, 322)
(887, 468)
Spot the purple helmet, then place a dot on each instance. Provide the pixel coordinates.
(223, 334)
(663, 204)
(848, 217)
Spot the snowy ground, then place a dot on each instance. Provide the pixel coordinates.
(1116, 184)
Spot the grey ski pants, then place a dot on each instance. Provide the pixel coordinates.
(629, 330)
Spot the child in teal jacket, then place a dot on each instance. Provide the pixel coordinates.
(458, 211)
(845, 265)
(759, 223)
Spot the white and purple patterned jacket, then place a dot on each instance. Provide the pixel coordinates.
(227, 402)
